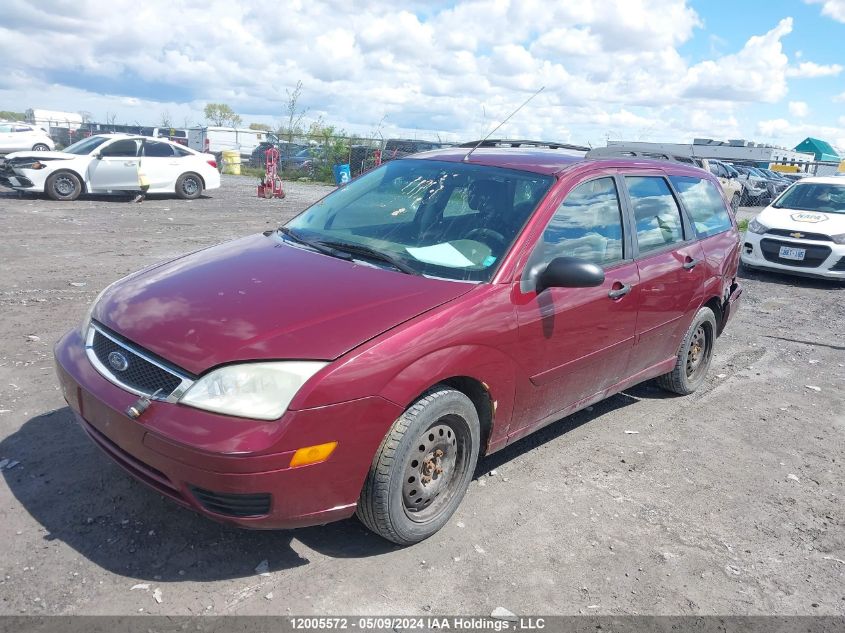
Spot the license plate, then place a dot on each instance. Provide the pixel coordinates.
(787, 252)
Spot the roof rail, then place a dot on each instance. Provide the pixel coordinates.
(494, 142)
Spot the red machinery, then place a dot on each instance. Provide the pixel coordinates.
(271, 186)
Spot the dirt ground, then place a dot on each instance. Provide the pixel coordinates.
(730, 501)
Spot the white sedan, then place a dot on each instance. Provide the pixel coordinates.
(110, 163)
(802, 232)
(18, 137)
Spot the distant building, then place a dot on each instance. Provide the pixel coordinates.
(738, 150)
(51, 118)
(821, 150)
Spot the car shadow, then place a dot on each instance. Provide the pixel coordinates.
(80, 497)
(569, 423)
(785, 279)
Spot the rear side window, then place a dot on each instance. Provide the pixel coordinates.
(128, 147)
(704, 204)
(155, 149)
(587, 225)
(657, 216)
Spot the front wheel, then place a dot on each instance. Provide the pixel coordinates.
(63, 185)
(423, 467)
(40, 147)
(694, 356)
(189, 186)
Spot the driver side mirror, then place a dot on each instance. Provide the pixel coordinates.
(97, 155)
(569, 272)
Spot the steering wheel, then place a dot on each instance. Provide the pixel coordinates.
(486, 236)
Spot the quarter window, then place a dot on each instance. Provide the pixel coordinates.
(587, 225)
(657, 216)
(704, 204)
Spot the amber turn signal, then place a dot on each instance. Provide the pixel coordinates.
(312, 454)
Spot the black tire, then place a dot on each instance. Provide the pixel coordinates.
(63, 185)
(189, 186)
(40, 147)
(694, 355)
(411, 491)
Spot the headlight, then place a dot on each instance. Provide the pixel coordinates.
(838, 239)
(755, 227)
(261, 391)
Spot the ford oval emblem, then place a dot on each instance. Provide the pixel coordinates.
(118, 361)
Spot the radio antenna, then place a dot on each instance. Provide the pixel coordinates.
(481, 142)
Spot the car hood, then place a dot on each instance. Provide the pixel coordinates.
(259, 298)
(803, 221)
(41, 155)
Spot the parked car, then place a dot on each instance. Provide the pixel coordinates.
(19, 137)
(400, 147)
(756, 190)
(802, 232)
(729, 179)
(363, 356)
(109, 163)
(286, 150)
(305, 161)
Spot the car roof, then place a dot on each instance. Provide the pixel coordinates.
(549, 161)
(824, 180)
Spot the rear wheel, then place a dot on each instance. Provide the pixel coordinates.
(422, 468)
(63, 185)
(189, 186)
(694, 355)
(40, 147)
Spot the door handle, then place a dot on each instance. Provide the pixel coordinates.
(620, 292)
(690, 263)
(130, 163)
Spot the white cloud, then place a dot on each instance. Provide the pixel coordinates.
(799, 109)
(610, 67)
(831, 8)
(780, 129)
(755, 73)
(811, 70)
(840, 98)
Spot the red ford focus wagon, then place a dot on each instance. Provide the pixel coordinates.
(362, 357)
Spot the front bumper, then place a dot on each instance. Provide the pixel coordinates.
(823, 259)
(222, 466)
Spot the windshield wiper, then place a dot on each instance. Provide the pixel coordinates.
(317, 246)
(366, 251)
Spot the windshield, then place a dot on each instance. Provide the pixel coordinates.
(443, 219)
(86, 145)
(813, 196)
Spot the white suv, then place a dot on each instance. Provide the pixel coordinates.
(19, 137)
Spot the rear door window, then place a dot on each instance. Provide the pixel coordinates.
(704, 204)
(656, 213)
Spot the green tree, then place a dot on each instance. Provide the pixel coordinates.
(293, 112)
(8, 115)
(221, 114)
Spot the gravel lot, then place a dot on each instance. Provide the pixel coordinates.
(730, 501)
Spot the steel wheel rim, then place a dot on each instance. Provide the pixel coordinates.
(64, 186)
(435, 468)
(40, 148)
(698, 353)
(190, 186)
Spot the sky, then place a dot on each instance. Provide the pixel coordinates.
(651, 70)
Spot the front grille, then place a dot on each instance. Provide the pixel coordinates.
(140, 374)
(813, 258)
(818, 237)
(839, 266)
(233, 505)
